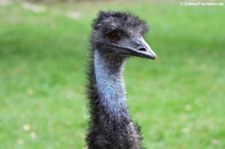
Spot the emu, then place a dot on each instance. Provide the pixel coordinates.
(115, 37)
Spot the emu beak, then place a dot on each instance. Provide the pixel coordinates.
(141, 48)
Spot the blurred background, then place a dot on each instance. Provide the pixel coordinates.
(178, 99)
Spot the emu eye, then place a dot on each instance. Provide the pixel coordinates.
(114, 36)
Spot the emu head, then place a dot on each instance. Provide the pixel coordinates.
(120, 33)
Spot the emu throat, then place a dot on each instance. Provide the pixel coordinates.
(110, 85)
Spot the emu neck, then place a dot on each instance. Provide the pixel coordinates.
(110, 85)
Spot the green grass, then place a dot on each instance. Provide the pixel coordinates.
(178, 99)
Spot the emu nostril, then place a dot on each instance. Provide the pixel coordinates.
(142, 49)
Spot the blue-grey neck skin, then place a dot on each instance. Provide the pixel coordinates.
(109, 83)
(111, 126)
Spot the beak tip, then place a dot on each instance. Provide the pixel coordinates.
(153, 56)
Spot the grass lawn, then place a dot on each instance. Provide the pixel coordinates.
(178, 99)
